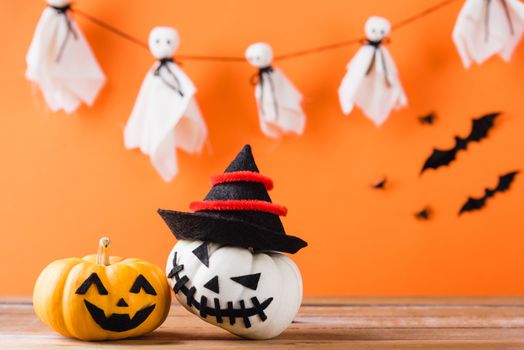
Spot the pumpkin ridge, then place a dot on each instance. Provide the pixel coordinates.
(136, 272)
(164, 294)
(51, 316)
(70, 285)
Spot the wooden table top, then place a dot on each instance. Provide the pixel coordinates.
(322, 323)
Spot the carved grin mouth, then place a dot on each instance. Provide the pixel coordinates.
(230, 313)
(118, 322)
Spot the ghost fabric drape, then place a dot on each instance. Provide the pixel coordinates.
(60, 61)
(278, 100)
(371, 81)
(485, 28)
(165, 116)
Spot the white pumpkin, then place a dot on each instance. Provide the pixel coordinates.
(254, 295)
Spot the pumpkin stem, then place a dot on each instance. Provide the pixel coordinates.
(102, 257)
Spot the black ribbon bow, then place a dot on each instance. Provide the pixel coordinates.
(487, 8)
(377, 50)
(164, 64)
(62, 10)
(263, 77)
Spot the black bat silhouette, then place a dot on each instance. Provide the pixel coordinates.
(424, 214)
(380, 184)
(504, 184)
(427, 119)
(479, 130)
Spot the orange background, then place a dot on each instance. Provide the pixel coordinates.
(67, 180)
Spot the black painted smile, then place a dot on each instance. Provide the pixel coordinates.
(231, 313)
(118, 322)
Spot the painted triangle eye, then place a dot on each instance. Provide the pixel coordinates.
(92, 279)
(202, 254)
(248, 281)
(142, 283)
(212, 285)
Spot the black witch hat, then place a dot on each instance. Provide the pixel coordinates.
(237, 211)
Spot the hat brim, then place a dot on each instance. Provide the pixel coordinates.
(210, 227)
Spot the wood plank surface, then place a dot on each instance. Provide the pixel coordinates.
(322, 323)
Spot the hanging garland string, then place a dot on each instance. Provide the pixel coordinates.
(318, 49)
(421, 14)
(109, 27)
(289, 55)
(141, 43)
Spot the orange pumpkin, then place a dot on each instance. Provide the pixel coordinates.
(101, 297)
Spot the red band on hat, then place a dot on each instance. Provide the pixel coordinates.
(255, 205)
(237, 176)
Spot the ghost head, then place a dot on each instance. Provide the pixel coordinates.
(58, 3)
(377, 28)
(259, 55)
(163, 42)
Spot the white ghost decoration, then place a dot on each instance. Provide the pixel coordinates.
(166, 115)
(60, 61)
(254, 295)
(372, 81)
(488, 27)
(278, 100)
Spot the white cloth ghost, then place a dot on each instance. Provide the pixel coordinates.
(278, 100)
(488, 27)
(371, 81)
(61, 62)
(166, 115)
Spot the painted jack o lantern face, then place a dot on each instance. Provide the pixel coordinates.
(254, 295)
(117, 322)
(231, 313)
